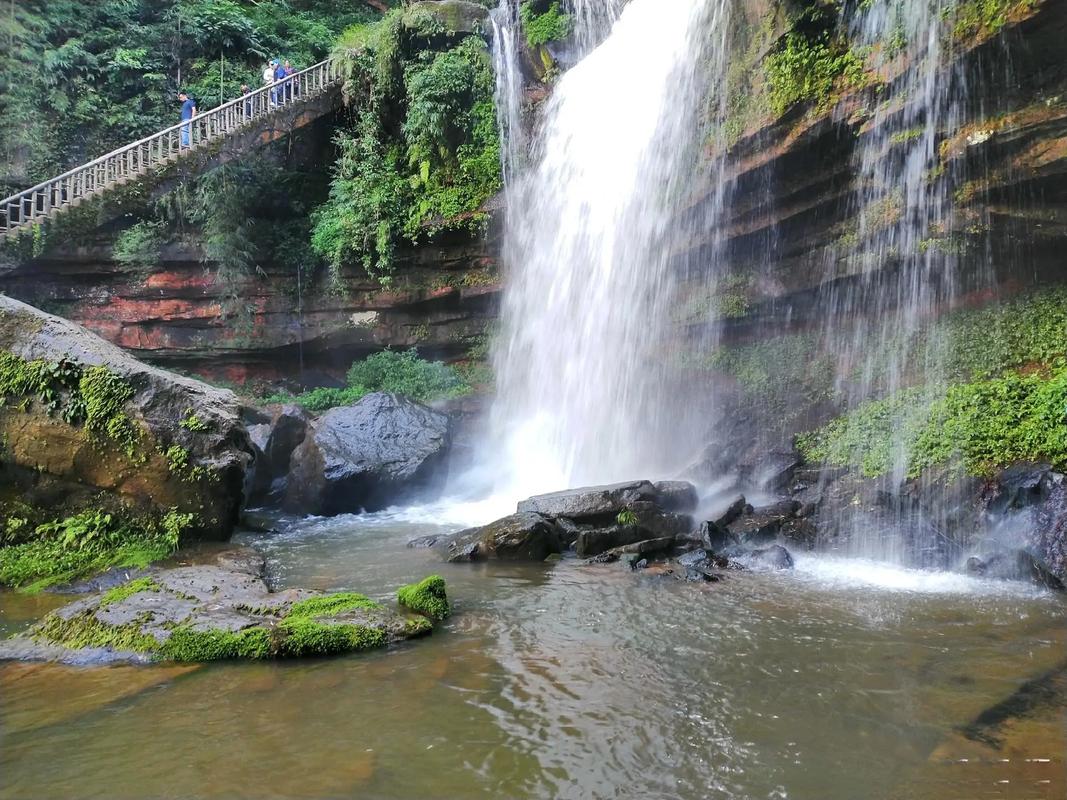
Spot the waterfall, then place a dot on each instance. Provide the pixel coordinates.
(582, 391)
(902, 264)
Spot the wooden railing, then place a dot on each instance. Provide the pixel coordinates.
(48, 199)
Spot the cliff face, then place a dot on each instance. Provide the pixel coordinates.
(276, 324)
(794, 182)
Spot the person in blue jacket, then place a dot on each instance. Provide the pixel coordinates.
(188, 112)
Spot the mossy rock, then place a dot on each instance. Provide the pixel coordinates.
(209, 613)
(432, 18)
(79, 416)
(427, 597)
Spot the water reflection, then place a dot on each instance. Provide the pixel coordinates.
(562, 681)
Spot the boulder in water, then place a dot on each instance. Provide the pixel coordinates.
(591, 501)
(677, 496)
(382, 450)
(774, 557)
(210, 612)
(1013, 565)
(525, 536)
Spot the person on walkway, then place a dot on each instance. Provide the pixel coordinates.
(268, 78)
(245, 91)
(279, 75)
(290, 84)
(188, 112)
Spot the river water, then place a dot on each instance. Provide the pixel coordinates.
(844, 679)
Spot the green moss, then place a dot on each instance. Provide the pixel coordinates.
(550, 26)
(428, 597)
(120, 593)
(179, 462)
(329, 605)
(191, 422)
(808, 70)
(70, 548)
(91, 396)
(980, 425)
(188, 644)
(85, 630)
(306, 636)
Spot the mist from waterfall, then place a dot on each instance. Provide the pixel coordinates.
(582, 387)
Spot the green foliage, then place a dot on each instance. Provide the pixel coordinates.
(428, 597)
(423, 154)
(138, 246)
(66, 549)
(550, 26)
(984, 18)
(626, 517)
(120, 593)
(189, 644)
(105, 395)
(401, 373)
(81, 79)
(85, 630)
(979, 425)
(91, 396)
(179, 462)
(808, 70)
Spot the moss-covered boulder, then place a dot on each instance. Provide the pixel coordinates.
(427, 597)
(209, 613)
(83, 425)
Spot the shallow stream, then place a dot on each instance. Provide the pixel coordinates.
(841, 680)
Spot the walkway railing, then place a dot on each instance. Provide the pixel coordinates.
(48, 199)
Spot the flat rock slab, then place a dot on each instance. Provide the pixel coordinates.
(208, 612)
(591, 501)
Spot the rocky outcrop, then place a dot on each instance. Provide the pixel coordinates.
(290, 326)
(207, 613)
(382, 450)
(274, 443)
(623, 518)
(83, 419)
(525, 536)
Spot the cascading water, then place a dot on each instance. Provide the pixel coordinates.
(903, 267)
(582, 388)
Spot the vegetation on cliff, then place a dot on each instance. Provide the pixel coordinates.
(422, 156)
(401, 373)
(1004, 400)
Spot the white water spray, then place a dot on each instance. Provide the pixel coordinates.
(582, 393)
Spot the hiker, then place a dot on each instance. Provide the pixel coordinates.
(290, 84)
(268, 78)
(245, 91)
(188, 112)
(279, 75)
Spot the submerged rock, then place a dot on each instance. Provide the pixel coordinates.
(382, 450)
(211, 612)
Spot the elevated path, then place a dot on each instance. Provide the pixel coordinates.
(221, 134)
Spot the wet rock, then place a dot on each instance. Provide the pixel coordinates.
(800, 531)
(259, 521)
(525, 536)
(678, 496)
(774, 471)
(590, 501)
(425, 541)
(1013, 565)
(774, 557)
(1019, 486)
(736, 507)
(288, 428)
(756, 528)
(382, 450)
(209, 612)
(175, 428)
(714, 537)
(645, 547)
(592, 541)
